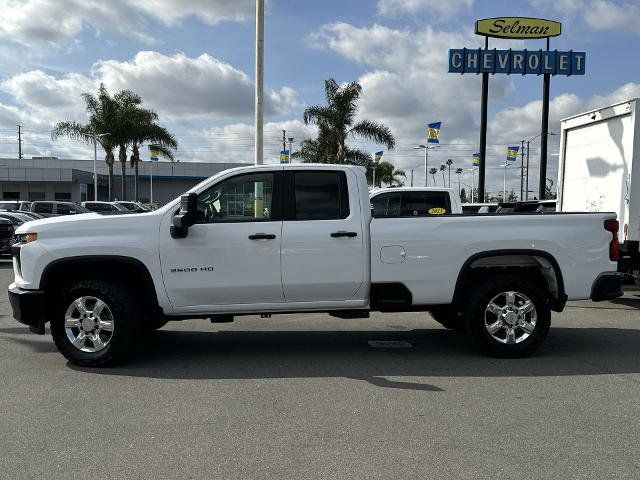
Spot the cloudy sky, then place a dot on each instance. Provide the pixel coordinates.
(192, 61)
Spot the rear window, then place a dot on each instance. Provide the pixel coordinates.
(321, 195)
(43, 208)
(410, 204)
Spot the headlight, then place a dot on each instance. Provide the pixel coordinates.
(26, 237)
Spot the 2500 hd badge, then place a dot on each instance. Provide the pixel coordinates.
(192, 269)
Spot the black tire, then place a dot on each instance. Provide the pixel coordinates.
(447, 318)
(125, 314)
(481, 296)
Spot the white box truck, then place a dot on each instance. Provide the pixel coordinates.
(599, 171)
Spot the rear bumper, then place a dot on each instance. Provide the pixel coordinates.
(607, 286)
(28, 307)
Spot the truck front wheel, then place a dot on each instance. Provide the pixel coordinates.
(508, 316)
(95, 322)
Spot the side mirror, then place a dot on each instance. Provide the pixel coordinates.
(186, 217)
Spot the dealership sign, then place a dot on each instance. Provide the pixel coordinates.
(518, 27)
(538, 62)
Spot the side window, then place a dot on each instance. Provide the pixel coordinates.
(245, 198)
(424, 203)
(64, 209)
(43, 208)
(386, 205)
(321, 195)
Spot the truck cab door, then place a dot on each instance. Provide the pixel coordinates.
(324, 256)
(231, 256)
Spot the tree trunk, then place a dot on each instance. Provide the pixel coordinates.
(109, 161)
(122, 156)
(135, 158)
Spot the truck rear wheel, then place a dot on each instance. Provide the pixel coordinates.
(508, 316)
(95, 322)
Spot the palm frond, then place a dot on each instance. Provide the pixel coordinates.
(374, 131)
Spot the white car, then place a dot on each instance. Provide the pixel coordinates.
(414, 201)
(300, 238)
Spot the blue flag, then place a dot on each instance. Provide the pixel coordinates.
(433, 132)
(476, 159)
(378, 156)
(512, 153)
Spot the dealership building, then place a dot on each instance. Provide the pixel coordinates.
(50, 178)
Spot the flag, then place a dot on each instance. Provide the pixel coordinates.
(476, 159)
(433, 132)
(378, 156)
(154, 153)
(284, 156)
(512, 153)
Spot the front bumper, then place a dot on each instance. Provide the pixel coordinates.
(28, 307)
(607, 286)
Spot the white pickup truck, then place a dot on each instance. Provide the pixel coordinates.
(301, 238)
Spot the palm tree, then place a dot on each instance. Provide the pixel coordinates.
(385, 173)
(336, 122)
(102, 110)
(129, 109)
(449, 163)
(442, 169)
(459, 172)
(433, 172)
(143, 128)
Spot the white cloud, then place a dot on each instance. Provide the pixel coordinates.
(178, 87)
(47, 22)
(185, 87)
(444, 8)
(600, 15)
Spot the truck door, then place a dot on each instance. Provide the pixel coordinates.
(323, 254)
(232, 255)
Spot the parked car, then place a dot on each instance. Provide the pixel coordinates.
(16, 217)
(7, 234)
(413, 201)
(105, 208)
(15, 205)
(54, 209)
(472, 208)
(133, 206)
(307, 244)
(32, 215)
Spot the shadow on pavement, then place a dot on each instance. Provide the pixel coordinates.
(435, 353)
(633, 302)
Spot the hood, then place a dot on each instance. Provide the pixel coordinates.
(88, 223)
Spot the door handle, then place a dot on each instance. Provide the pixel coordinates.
(344, 234)
(262, 236)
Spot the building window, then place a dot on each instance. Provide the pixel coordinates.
(34, 196)
(11, 195)
(63, 196)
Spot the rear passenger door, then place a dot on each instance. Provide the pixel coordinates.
(323, 254)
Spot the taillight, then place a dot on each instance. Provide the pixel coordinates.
(614, 247)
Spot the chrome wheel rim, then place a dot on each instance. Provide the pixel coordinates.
(510, 317)
(89, 325)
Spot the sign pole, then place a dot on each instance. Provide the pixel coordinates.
(483, 129)
(545, 133)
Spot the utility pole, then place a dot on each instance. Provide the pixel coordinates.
(290, 147)
(522, 171)
(412, 177)
(259, 117)
(526, 192)
(284, 140)
(19, 142)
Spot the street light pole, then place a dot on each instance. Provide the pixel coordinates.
(259, 81)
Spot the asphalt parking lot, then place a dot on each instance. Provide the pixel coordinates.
(308, 396)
